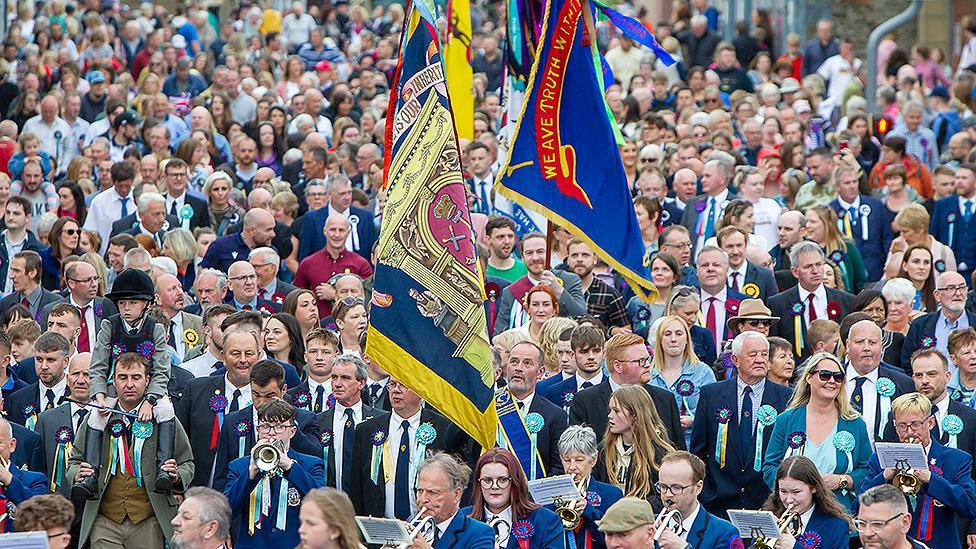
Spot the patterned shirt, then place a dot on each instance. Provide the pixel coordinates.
(605, 303)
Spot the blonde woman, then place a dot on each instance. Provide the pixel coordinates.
(821, 227)
(912, 222)
(548, 338)
(820, 423)
(180, 246)
(677, 369)
(328, 521)
(634, 444)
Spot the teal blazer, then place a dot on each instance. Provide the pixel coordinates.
(795, 420)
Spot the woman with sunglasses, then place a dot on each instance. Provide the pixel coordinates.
(820, 423)
(64, 238)
(349, 315)
(800, 487)
(501, 499)
(675, 368)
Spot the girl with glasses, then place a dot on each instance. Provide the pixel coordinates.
(799, 484)
(634, 443)
(500, 498)
(820, 423)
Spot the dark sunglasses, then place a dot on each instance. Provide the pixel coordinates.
(826, 376)
(758, 323)
(71, 232)
(351, 301)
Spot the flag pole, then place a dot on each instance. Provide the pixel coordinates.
(549, 237)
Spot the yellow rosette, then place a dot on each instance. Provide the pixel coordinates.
(751, 290)
(191, 337)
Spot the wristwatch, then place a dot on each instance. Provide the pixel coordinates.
(844, 485)
(152, 399)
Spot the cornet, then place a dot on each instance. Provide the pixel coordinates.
(788, 523)
(267, 455)
(566, 509)
(420, 524)
(668, 519)
(904, 480)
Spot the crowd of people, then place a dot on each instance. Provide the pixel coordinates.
(191, 210)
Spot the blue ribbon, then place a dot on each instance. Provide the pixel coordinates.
(516, 435)
(282, 517)
(636, 31)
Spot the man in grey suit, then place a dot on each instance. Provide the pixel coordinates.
(565, 285)
(267, 264)
(25, 274)
(744, 276)
(184, 331)
(59, 425)
(83, 282)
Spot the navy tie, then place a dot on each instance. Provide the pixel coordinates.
(401, 482)
(51, 398)
(586, 385)
(348, 431)
(745, 423)
(374, 395)
(857, 397)
(172, 334)
(319, 398)
(936, 431)
(235, 403)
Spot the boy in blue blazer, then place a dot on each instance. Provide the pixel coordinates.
(947, 489)
(296, 475)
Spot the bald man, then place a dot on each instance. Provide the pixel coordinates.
(260, 199)
(66, 416)
(258, 230)
(18, 484)
(52, 130)
(243, 289)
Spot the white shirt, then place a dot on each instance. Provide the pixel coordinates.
(179, 200)
(395, 432)
(60, 389)
(504, 526)
(201, 366)
(46, 133)
(838, 73)
(597, 379)
(313, 387)
(89, 320)
(740, 278)
(805, 519)
(442, 526)
(942, 410)
(75, 423)
(720, 313)
(338, 427)
(819, 302)
(12, 249)
(243, 401)
(526, 403)
(870, 393)
(689, 521)
(176, 324)
(105, 209)
(716, 213)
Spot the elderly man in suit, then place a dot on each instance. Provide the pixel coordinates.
(83, 283)
(59, 426)
(719, 301)
(863, 219)
(628, 361)
(184, 330)
(16, 485)
(152, 218)
(933, 329)
(703, 214)
(567, 286)
(125, 512)
(236, 441)
(809, 300)
(337, 425)
(267, 264)
(25, 274)
(206, 398)
(441, 481)
(726, 418)
(744, 276)
(412, 430)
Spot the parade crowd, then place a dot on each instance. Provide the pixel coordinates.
(191, 207)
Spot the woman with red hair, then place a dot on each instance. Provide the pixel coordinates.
(501, 500)
(540, 304)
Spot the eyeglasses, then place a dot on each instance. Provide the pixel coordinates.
(826, 376)
(244, 277)
(961, 289)
(861, 525)
(758, 323)
(315, 194)
(90, 280)
(679, 246)
(277, 428)
(181, 174)
(71, 232)
(675, 489)
(643, 361)
(350, 301)
(501, 482)
(902, 427)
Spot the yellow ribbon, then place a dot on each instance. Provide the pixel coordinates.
(798, 329)
(723, 437)
(847, 225)
(387, 461)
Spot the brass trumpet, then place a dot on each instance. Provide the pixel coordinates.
(566, 511)
(904, 480)
(267, 455)
(420, 524)
(788, 523)
(668, 519)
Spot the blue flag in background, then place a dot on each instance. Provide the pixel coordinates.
(564, 161)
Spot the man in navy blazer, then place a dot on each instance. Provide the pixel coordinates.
(807, 265)
(363, 232)
(863, 219)
(18, 484)
(744, 277)
(587, 345)
(441, 480)
(708, 206)
(707, 530)
(953, 222)
(933, 329)
(871, 384)
(732, 481)
(947, 489)
(522, 372)
(719, 302)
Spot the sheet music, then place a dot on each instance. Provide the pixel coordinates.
(545, 490)
(897, 455)
(24, 540)
(382, 531)
(754, 524)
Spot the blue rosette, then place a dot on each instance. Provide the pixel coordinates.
(765, 416)
(844, 442)
(886, 391)
(952, 425)
(534, 423)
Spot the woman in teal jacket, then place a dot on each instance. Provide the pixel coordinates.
(821, 425)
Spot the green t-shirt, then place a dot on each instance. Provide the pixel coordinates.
(511, 274)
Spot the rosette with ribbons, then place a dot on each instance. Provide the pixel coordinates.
(534, 423)
(886, 391)
(797, 311)
(568, 397)
(810, 540)
(844, 442)
(837, 257)
(118, 457)
(65, 437)
(303, 400)
(685, 389)
(325, 437)
(951, 220)
(523, 530)
(426, 435)
(796, 441)
(952, 425)
(218, 403)
(241, 430)
(378, 440)
(186, 214)
(765, 416)
(723, 415)
(31, 409)
(141, 430)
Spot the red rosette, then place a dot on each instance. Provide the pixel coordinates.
(833, 310)
(732, 306)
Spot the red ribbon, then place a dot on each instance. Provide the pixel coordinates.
(215, 432)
